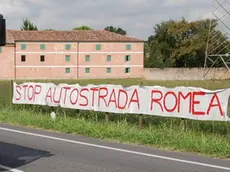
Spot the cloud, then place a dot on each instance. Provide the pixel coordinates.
(208, 15)
(11, 8)
(175, 2)
(137, 17)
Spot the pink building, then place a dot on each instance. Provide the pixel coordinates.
(70, 55)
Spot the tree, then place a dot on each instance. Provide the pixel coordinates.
(191, 38)
(83, 28)
(28, 25)
(180, 43)
(159, 46)
(116, 30)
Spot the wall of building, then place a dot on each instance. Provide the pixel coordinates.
(185, 74)
(57, 60)
(7, 62)
(110, 60)
(85, 60)
(75, 65)
(62, 63)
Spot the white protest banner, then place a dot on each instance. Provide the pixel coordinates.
(181, 102)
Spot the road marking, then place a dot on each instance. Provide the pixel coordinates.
(10, 169)
(115, 149)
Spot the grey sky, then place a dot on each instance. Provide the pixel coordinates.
(137, 17)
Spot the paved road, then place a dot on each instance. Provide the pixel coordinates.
(23, 150)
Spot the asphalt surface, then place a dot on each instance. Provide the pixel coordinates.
(23, 150)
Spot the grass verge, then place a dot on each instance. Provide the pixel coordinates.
(208, 138)
(161, 136)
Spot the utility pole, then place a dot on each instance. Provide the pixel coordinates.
(2, 31)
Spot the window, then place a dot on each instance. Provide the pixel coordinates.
(67, 58)
(108, 70)
(87, 70)
(127, 58)
(98, 47)
(128, 47)
(67, 46)
(127, 70)
(108, 58)
(87, 58)
(67, 70)
(23, 58)
(23, 46)
(42, 58)
(42, 46)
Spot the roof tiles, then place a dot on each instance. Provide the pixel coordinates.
(67, 36)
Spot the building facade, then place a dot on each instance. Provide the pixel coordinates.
(70, 55)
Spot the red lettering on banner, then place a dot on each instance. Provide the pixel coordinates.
(165, 102)
(54, 95)
(49, 94)
(191, 96)
(194, 112)
(25, 86)
(136, 99)
(169, 101)
(100, 96)
(93, 96)
(156, 100)
(119, 94)
(37, 92)
(181, 95)
(28, 92)
(18, 91)
(112, 98)
(65, 94)
(211, 105)
(71, 101)
(86, 99)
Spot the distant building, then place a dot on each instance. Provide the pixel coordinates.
(77, 54)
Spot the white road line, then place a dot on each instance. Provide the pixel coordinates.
(116, 149)
(9, 169)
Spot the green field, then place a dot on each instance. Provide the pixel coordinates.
(209, 138)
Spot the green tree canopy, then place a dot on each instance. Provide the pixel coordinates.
(83, 28)
(28, 25)
(179, 43)
(116, 30)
